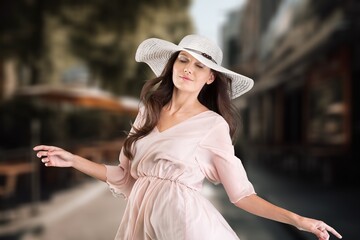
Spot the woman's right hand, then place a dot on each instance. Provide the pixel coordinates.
(53, 156)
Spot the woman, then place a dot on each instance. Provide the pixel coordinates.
(181, 136)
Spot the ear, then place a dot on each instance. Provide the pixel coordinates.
(211, 78)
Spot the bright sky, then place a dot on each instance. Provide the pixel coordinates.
(209, 16)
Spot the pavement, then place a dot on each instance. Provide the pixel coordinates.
(89, 211)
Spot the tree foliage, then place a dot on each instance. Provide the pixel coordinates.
(103, 34)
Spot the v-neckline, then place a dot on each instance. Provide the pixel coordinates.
(179, 123)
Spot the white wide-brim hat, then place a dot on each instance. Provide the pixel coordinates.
(156, 53)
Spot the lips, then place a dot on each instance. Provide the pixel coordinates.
(185, 78)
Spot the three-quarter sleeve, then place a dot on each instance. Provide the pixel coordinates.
(220, 165)
(119, 177)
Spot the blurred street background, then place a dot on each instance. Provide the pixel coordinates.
(68, 78)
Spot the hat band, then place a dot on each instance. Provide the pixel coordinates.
(202, 54)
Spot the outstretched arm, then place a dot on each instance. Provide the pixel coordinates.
(260, 207)
(56, 157)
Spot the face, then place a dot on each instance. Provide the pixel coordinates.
(190, 75)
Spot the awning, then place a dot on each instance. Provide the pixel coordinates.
(81, 96)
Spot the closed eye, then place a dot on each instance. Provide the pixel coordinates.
(182, 59)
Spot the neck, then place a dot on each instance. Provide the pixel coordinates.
(182, 102)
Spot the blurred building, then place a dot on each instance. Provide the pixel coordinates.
(303, 113)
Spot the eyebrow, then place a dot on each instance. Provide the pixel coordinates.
(184, 54)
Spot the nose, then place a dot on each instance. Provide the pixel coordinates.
(187, 69)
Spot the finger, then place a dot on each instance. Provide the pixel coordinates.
(321, 228)
(46, 162)
(41, 147)
(319, 234)
(45, 147)
(41, 154)
(333, 231)
(56, 152)
(324, 235)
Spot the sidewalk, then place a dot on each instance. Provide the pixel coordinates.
(88, 211)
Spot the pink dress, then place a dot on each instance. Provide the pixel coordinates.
(163, 182)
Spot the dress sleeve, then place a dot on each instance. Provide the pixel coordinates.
(118, 177)
(220, 165)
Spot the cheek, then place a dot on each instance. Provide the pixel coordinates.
(176, 66)
(176, 71)
(205, 78)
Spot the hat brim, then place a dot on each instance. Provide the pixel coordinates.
(156, 53)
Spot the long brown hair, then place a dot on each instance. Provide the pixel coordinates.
(157, 92)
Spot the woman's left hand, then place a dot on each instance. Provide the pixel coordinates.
(319, 228)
